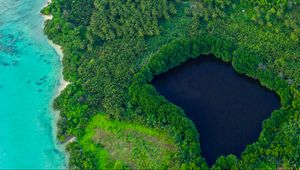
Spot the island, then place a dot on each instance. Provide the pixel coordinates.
(115, 114)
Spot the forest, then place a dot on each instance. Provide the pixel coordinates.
(113, 49)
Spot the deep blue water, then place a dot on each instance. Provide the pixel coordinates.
(227, 108)
(29, 76)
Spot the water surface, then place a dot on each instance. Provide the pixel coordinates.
(226, 107)
(29, 74)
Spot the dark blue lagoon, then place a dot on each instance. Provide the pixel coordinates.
(227, 108)
(29, 74)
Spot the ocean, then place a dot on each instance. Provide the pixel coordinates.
(30, 70)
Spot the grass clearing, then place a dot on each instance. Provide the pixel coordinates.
(122, 145)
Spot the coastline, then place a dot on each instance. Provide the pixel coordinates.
(62, 82)
(61, 86)
(47, 17)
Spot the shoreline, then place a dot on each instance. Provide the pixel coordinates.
(58, 49)
(47, 17)
(62, 84)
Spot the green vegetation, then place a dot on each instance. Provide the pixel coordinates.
(119, 141)
(114, 48)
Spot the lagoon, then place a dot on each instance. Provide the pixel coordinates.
(227, 108)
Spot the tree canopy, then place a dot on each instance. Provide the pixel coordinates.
(113, 48)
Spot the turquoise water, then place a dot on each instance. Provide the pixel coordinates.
(29, 76)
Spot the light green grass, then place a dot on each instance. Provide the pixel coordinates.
(122, 145)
